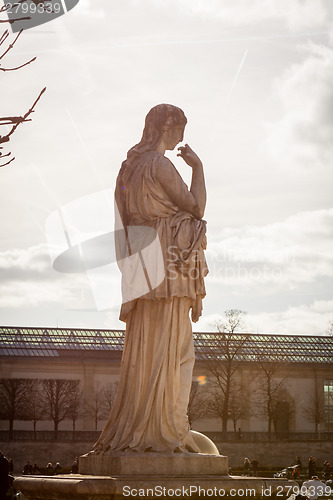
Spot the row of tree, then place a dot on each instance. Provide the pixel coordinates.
(221, 393)
(229, 397)
(266, 402)
(52, 399)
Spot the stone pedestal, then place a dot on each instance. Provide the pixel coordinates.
(79, 487)
(153, 464)
(117, 476)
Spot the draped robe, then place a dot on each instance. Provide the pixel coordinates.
(150, 409)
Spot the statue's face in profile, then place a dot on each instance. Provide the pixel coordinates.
(173, 136)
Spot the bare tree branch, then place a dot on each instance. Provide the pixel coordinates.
(270, 391)
(239, 404)
(4, 37)
(108, 394)
(329, 330)
(59, 394)
(13, 398)
(34, 409)
(6, 8)
(14, 121)
(10, 120)
(10, 46)
(313, 408)
(24, 117)
(197, 406)
(75, 407)
(94, 407)
(221, 359)
(8, 162)
(18, 67)
(4, 156)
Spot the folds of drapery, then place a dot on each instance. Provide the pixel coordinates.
(150, 409)
(160, 253)
(164, 246)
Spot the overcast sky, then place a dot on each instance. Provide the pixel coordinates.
(255, 80)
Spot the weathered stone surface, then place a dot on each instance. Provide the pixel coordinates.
(118, 488)
(150, 464)
(160, 242)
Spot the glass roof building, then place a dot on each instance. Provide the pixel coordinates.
(58, 342)
(93, 356)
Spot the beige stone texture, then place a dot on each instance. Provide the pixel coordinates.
(162, 285)
(117, 488)
(153, 464)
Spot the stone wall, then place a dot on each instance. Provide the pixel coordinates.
(269, 454)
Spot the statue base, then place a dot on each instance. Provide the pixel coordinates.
(80, 487)
(153, 464)
(116, 476)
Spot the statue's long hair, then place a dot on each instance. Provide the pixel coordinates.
(158, 118)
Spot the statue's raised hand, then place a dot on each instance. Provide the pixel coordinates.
(189, 156)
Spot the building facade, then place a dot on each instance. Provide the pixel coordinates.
(294, 374)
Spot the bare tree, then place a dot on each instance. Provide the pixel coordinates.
(215, 404)
(329, 330)
(75, 407)
(222, 358)
(59, 393)
(313, 408)
(239, 404)
(13, 399)
(34, 409)
(197, 406)
(94, 407)
(108, 394)
(6, 7)
(12, 121)
(269, 392)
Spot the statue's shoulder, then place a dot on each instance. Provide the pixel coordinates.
(157, 163)
(156, 157)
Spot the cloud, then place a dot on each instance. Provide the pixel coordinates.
(300, 247)
(301, 320)
(303, 136)
(323, 306)
(310, 319)
(289, 253)
(27, 279)
(297, 14)
(280, 273)
(33, 263)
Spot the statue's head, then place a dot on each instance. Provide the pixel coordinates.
(166, 122)
(160, 119)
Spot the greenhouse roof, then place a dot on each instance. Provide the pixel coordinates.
(255, 347)
(248, 347)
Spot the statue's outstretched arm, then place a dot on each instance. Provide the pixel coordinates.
(176, 189)
(198, 186)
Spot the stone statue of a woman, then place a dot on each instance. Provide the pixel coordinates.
(150, 409)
